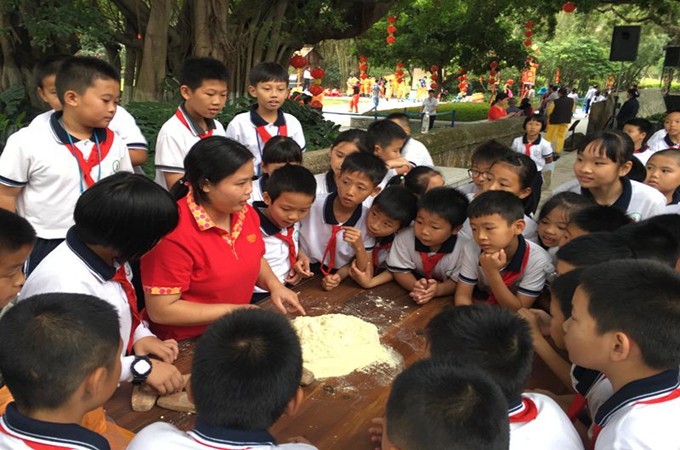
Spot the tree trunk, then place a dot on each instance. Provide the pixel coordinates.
(129, 75)
(154, 56)
(11, 74)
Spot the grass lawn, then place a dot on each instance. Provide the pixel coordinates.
(465, 112)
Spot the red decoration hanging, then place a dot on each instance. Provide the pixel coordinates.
(529, 33)
(390, 40)
(527, 43)
(492, 80)
(493, 64)
(399, 73)
(363, 67)
(433, 86)
(391, 19)
(492, 73)
(434, 69)
(298, 61)
(363, 76)
(529, 24)
(510, 82)
(434, 77)
(400, 65)
(315, 90)
(391, 29)
(568, 7)
(318, 73)
(363, 59)
(400, 80)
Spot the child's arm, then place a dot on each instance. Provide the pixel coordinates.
(330, 282)
(8, 197)
(400, 165)
(406, 280)
(300, 270)
(426, 290)
(463, 294)
(492, 265)
(366, 279)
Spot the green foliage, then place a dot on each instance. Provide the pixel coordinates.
(465, 112)
(12, 100)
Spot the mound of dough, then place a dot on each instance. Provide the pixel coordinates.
(334, 345)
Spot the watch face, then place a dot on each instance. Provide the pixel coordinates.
(142, 366)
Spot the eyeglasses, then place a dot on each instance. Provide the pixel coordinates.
(474, 173)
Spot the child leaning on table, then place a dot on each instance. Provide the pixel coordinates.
(246, 374)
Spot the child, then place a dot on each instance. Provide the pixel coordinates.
(638, 130)
(388, 138)
(601, 166)
(553, 219)
(425, 259)
(413, 150)
(499, 342)
(663, 174)
(277, 152)
(203, 86)
(393, 210)
(636, 346)
(538, 149)
(269, 85)
(419, 180)
(45, 168)
(439, 404)
(671, 125)
(118, 220)
(592, 219)
(287, 199)
(429, 111)
(482, 159)
(347, 142)
(510, 268)
(17, 238)
(250, 360)
(591, 249)
(360, 175)
(59, 358)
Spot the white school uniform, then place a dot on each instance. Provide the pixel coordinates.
(469, 189)
(325, 184)
(175, 139)
(382, 185)
(164, 436)
(538, 150)
(537, 422)
(657, 136)
(382, 249)
(37, 160)
(638, 200)
(644, 153)
(72, 267)
(416, 153)
(663, 144)
(316, 231)
(258, 190)
(19, 432)
(243, 128)
(530, 229)
(405, 256)
(530, 282)
(591, 387)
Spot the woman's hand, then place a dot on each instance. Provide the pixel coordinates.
(167, 351)
(286, 300)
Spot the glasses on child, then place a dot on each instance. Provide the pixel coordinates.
(474, 173)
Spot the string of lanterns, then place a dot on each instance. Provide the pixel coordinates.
(363, 67)
(391, 29)
(434, 77)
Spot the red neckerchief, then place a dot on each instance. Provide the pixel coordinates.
(93, 160)
(377, 249)
(578, 404)
(596, 432)
(330, 251)
(528, 413)
(510, 277)
(292, 254)
(527, 146)
(264, 134)
(132, 302)
(429, 262)
(642, 149)
(183, 119)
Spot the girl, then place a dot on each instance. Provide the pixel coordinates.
(539, 150)
(347, 142)
(419, 180)
(276, 153)
(555, 216)
(210, 264)
(601, 168)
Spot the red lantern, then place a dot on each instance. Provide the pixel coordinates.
(400, 80)
(434, 77)
(363, 67)
(510, 82)
(493, 64)
(434, 69)
(318, 73)
(492, 80)
(390, 40)
(529, 24)
(298, 61)
(568, 7)
(400, 64)
(363, 59)
(461, 71)
(492, 73)
(460, 78)
(391, 19)
(391, 29)
(464, 77)
(315, 90)
(527, 43)
(363, 76)
(461, 86)
(433, 86)
(399, 73)
(529, 33)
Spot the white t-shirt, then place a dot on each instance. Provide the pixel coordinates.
(164, 436)
(430, 105)
(662, 144)
(416, 153)
(657, 136)
(325, 183)
(638, 200)
(469, 189)
(591, 385)
(258, 190)
(591, 93)
(176, 139)
(538, 151)
(37, 160)
(73, 267)
(645, 154)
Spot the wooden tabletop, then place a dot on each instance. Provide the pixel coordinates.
(337, 412)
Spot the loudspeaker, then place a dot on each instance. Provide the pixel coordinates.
(672, 57)
(625, 40)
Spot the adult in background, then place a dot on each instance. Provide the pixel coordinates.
(559, 117)
(629, 109)
(588, 99)
(499, 107)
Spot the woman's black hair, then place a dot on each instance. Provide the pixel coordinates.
(569, 201)
(359, 137)
(210, 160)
(126, 212)
(615, 145)
(500, 96)
(416, 180)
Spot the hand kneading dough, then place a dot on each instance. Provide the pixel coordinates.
(334, 345)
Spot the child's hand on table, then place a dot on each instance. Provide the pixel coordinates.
(377, 433)
(330, 282)
(167, 351)
(424, 291)
(302, 266)
(165, 378)
(363, 277)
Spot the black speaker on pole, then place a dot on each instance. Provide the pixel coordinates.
(625, 40)
(672, 57)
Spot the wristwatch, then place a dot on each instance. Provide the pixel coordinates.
(140, 368)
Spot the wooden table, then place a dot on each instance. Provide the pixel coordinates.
(336, 413)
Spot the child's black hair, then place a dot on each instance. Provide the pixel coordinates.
(384, 132)
(489, 152)
(563, 287)
(570, 202)
(15, 232)
(494, 339)
(416, 180)
(650, 241)
(281, 149)
(397, 203)
(399, 117)
(643, 125)
(126, 212)
(250, 360)
(368, 164)
(442, 404)
(669, 222)
(642, 300)
(47, 66)
(503, 203)
(291, 178)
(267, 72)
(78, 73)
(593, 249)
(52, 342)
(523, 166)
(358, 137)
(196, 70)
(536, 117)
(613, 145)
(594, 218)
(446, 202)
(637, 172)
(672, 153)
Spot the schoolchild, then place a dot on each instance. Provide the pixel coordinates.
(591, 249)
(554, 218)
(413, 150)
(203, 87)
(339, 218)
(481, 161)
(639, 130)
(347, 142)
(671, 125)
(388, 138)
(419, 180)
(277, 152)
(500, 261)
(425, 259)
(287, 199)
(268, 83)
(651, 241)
(592, 219)
(663, 174)
(17, 238)
(538, 149)
(45, 168)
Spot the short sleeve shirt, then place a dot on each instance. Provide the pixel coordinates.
(416, 153)
(538, 150)
(496, 113)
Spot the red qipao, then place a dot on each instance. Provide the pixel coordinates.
(204, 263)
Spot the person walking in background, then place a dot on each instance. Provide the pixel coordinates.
(590, 95)
(559, 115)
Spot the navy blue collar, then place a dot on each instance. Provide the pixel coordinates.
(58, 433)
(386, 240)
(515, 405)
(623, 201)
(195, 127)
(331, 186)
(669, 142)
(329, 215)
(401, 150)
(515, 264)
(258, 121)
(676, 197)
(230, 436)
(266, 225)
(63, 136)
(263, 182)
(447, 246)
(98, 266)
(586, 379)
(526, 141)
(638, 390)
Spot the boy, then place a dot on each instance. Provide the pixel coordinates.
(348, 142)
(429, 111)
(277, 152)
(663, 174)
(413, 150)
(635, 345)
(269, 85)
(482, 159)
(46, 167)
(592, 219)
(511, 269)
(393, 209)
(591, 249)
(425, 259)
(287, 199)
(17, 238)
(341, 211)
(671, 125)
(250, 360)
(59, 357)
(499, 342)
(203, 86)
(439, 404)
(388, 139)
(638, 130)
